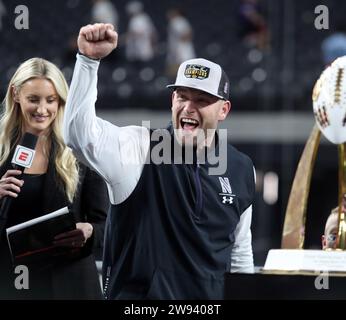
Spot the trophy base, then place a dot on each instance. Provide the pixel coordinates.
(298, 261)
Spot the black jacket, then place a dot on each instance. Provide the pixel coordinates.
(172, 237)
(77, 278)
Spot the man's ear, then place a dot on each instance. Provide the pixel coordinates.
(173, 95)
(225, 109)
(324, 242)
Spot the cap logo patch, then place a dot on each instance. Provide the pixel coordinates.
(196, 71)
(225, 88)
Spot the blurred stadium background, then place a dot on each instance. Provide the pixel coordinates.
(271, 90)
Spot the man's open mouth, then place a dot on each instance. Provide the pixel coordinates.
(189, 123)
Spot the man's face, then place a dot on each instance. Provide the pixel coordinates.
(331, 232)
(195, 114)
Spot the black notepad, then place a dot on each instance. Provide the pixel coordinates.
(31, 242)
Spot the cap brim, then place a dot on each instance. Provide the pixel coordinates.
(193, 87)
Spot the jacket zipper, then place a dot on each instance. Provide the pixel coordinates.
(199, 197)
(106, 283)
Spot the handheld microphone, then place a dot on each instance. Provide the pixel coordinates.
(22, 158)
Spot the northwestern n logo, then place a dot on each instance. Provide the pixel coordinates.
(225, 185)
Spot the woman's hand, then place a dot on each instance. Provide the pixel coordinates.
(75, 238)
(9, 185)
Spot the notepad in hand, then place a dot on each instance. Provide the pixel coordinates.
(31, 242)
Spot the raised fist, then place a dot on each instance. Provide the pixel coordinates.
(98, 40)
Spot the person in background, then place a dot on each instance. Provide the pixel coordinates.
(331, 230)
(253, 27)
(334, 46)
(34, 103)
(141, 35)
(179, 41)
(104, 11)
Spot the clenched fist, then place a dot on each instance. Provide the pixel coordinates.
(98, 40)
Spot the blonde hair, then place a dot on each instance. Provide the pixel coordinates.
(11, 122)
(335, 210)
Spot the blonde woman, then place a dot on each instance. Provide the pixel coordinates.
(34, 103)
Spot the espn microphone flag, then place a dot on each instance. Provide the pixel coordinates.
(22, 158)
(25, 152)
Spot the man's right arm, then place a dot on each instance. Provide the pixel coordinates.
(117, 154)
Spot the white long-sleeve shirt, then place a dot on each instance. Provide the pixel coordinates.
(106, 147)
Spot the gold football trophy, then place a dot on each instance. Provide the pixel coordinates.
(329, 104)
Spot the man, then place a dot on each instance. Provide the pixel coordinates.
(334, 45)
(331, 227)
(141, 35)
(180, 45)
(174, 228)
(331, 230)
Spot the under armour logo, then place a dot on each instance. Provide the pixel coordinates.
(228, 199)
